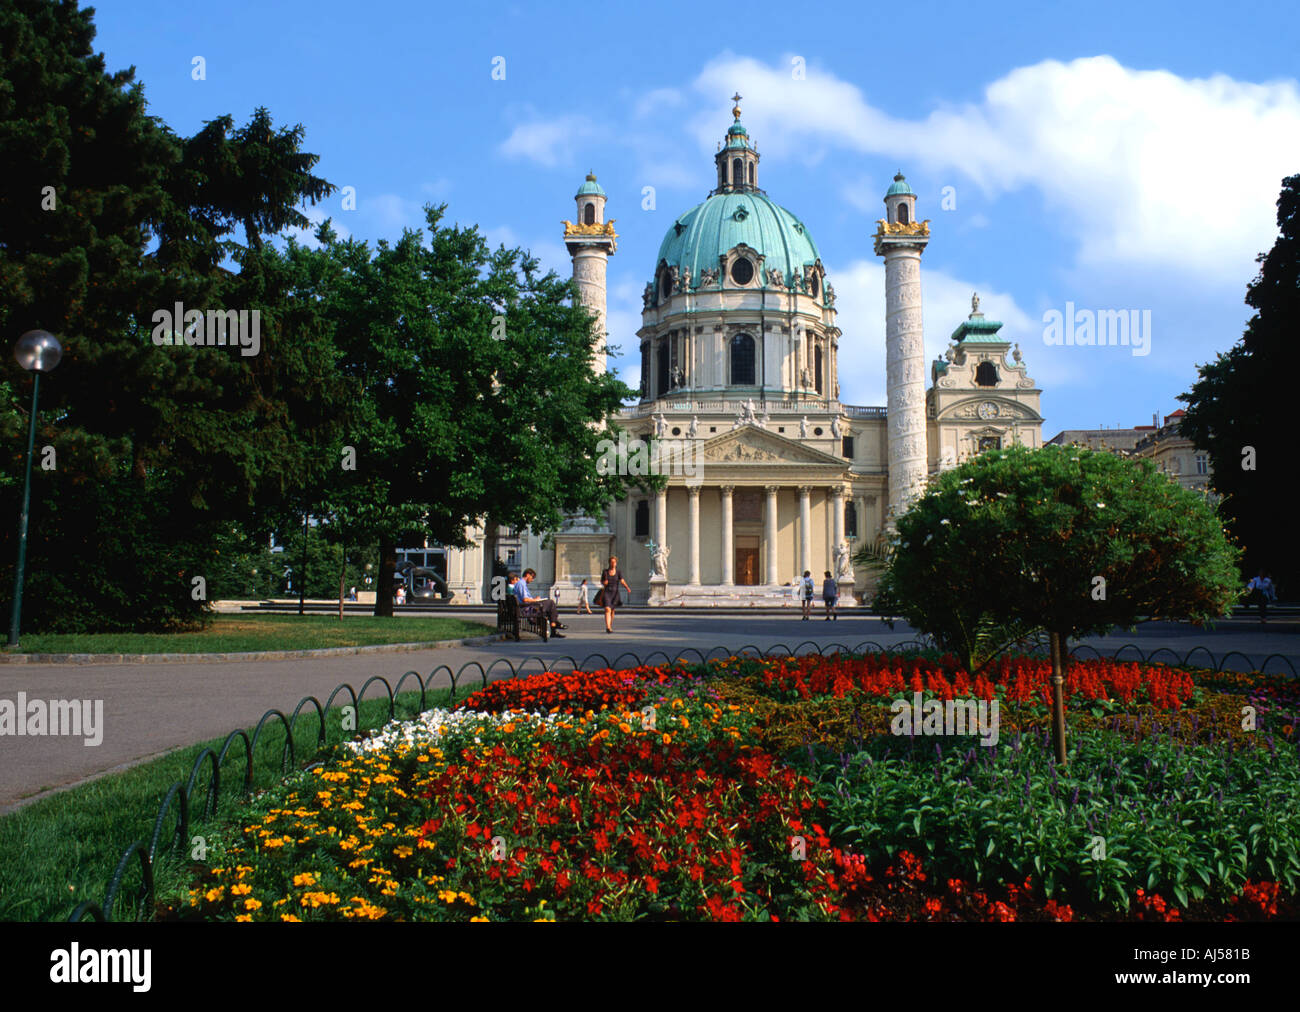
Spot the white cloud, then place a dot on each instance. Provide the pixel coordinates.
(1139, 166)
(391, 212)
(623, 320)
(945, 302)
(550, 142)
(316, 215)
(657, 101)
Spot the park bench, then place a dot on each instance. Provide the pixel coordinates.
(510, 616)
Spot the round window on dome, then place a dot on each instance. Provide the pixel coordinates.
(742, 272)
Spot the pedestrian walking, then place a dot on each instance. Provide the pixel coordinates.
(1260, 591)
(583, 602)
(830, 595)
(611, 579)
(806, 590)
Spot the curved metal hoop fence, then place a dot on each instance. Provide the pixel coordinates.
(182, 796)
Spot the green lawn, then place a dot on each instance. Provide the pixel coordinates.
(59, 851)
(230, 633)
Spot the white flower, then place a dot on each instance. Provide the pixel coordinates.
(430, 726)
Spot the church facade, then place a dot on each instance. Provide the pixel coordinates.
(769, 474)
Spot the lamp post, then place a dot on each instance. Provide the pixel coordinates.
(37, 351)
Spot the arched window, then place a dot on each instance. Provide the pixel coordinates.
(850, 520)
(817, 369)
(666, 284)
(751, 173)
(642, 519)
(662, 386)
(986, 375)
(902, 212)
(742, 361)
(589, 214)
(737, 171)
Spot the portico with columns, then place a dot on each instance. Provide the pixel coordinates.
(757, 511)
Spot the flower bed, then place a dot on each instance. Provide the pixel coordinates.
(666, 793)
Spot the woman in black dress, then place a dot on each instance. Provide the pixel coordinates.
(610, 580)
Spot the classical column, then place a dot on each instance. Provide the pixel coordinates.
(629, 530)
(901, 241)
(837, 519)
(771, 576)
(728, 540)
(693, 547)
(661, 517)
(805, 528)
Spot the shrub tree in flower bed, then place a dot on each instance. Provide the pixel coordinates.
(663, 793)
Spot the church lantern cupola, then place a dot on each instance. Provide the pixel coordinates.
(736, 158)
(591, 202)
(900, 203)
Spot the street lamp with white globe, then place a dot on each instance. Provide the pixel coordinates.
(37, 351)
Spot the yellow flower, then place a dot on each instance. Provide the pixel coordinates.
(290, 917)
(305, 879)
(473, 919)
(668, 739)
(243, 917)
(240, 890)
(252, 904)
(212, 895)
(403, 851)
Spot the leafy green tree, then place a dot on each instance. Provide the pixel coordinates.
(1234, 410)
(1060, 539)
(476, 401)
(107, 217)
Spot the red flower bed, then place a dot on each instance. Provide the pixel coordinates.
(609, 830)
(1013, 679)
(572, 691)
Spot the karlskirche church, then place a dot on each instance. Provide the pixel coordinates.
(740, 354)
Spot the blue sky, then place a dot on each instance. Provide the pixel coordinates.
(1114, 156)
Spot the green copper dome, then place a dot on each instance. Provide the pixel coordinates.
(590, 187)
(711, 229)
(900, 186)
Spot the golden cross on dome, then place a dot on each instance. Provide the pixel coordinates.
(736, 111)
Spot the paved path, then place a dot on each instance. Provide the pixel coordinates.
(150, 709)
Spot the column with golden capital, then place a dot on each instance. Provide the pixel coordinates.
(901, 240)
(591, 241)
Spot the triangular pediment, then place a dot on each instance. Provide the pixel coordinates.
(752, 445)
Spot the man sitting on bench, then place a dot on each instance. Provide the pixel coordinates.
(543, 604)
